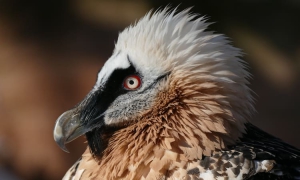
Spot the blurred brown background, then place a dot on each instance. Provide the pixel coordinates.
(51, 51)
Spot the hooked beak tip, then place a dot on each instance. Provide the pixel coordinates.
(67, 128)
(62, 145)
(59, 138)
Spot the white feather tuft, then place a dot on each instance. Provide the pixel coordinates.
(169, 41)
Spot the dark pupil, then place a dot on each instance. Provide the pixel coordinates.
(131, 82)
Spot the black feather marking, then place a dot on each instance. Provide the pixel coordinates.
(194, 171)
(235, 160)
(97, 102)
(205, 163)
(236, 170)
(73, 170)
(266, 147)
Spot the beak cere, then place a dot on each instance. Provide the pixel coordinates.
(67, 128)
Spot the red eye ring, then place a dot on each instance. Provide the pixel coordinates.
(132, 82)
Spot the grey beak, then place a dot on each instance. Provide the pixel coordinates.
(67, 128)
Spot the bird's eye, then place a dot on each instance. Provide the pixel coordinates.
(132, 82)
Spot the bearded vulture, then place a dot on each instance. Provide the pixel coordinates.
(173, 103)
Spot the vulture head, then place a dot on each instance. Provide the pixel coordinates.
(170, 87)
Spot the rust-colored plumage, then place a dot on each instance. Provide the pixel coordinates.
(188, 119)
(169, 137)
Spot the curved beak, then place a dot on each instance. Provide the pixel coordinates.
(67, 128)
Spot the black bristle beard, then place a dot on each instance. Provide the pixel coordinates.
(98, 139)
(95, 142)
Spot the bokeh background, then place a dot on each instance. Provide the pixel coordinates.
(51, 51)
